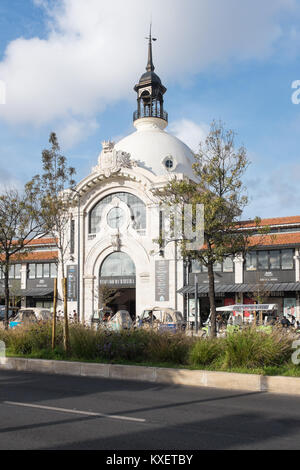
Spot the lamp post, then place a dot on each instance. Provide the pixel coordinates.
(78, 254)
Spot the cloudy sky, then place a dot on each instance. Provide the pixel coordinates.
(70, 66)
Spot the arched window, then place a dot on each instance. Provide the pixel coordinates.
(136, 206)
(116, 265)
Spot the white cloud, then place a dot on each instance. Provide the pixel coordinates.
(278, 193)
(74, 130)
(190, 132)
(95, 51)
(9, 181)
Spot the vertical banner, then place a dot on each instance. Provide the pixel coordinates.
(162, 281)
(72, 283)
(290, 305)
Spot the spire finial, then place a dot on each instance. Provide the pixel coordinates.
(150, 67)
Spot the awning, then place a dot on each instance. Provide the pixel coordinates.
(242, 288)
(248, 308)
(36, 292)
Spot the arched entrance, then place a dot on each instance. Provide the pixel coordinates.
(117, 283)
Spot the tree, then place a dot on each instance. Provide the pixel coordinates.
(217, 185)
(107, 295)
(20, 223)
(56, 200)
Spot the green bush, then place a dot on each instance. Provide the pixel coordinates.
(206, 351)
(83, 342)
(32, 338)
(169, 347)
(251, 348)
(126, 345)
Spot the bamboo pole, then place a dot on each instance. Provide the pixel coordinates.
(66, 320)
(54, 314)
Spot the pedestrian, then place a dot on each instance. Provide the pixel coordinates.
(74, 316)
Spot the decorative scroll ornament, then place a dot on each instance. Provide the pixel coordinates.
(111, 161)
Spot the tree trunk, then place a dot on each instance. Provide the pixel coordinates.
(6, 293)
(212, 303)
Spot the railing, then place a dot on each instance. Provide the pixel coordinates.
(144, 113)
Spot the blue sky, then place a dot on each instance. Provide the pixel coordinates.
(70, 67)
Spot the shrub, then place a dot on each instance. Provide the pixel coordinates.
(83, 342)
(27, 339)
(128, 345)
(251, 348)
(169, 347)
(206, 351)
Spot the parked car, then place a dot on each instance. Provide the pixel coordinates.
(162, 319)
(120, 321)
(30, 315)
(100, 317)
(12, 312)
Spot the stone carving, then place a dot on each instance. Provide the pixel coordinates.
(116, 242)
(111, 161)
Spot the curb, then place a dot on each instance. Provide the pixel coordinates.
(197, 378)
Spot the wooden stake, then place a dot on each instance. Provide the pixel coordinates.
(66, 322)
(54, 314)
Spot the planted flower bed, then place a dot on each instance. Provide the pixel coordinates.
(246, 350)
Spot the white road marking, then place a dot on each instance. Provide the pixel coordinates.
(77, 412)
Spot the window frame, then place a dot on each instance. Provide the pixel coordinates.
(269, 268)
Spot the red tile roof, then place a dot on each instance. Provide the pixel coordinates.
(42, 241)
(274, 221)
(280, 239)
(35, 256)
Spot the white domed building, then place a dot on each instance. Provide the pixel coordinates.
(113, 240)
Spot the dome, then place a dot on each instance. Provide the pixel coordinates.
(156, 150)
(150, 77)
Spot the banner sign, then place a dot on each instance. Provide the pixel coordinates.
(162, 281)
(72, 283)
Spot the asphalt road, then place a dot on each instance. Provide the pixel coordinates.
(43, 412)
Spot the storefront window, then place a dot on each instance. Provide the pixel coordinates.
(251, 262)
(39, 271)
(263, 260)
(217, 267)
(287, 259)
(46, 270)
(53, 270)
(228, 265)
(18, 271)
(275, 259)
(11, 272)
(196, 267)
(31, 271)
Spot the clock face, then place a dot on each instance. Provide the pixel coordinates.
(116, 217)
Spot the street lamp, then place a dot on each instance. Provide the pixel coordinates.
(78, 254)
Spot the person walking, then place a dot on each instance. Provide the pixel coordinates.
(74, 316)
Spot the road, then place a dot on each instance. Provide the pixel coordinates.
(39, 411)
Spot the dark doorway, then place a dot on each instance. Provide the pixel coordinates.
(125, 301)
(118, 273)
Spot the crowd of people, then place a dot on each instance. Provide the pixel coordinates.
(282, 321)
(73, 318)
